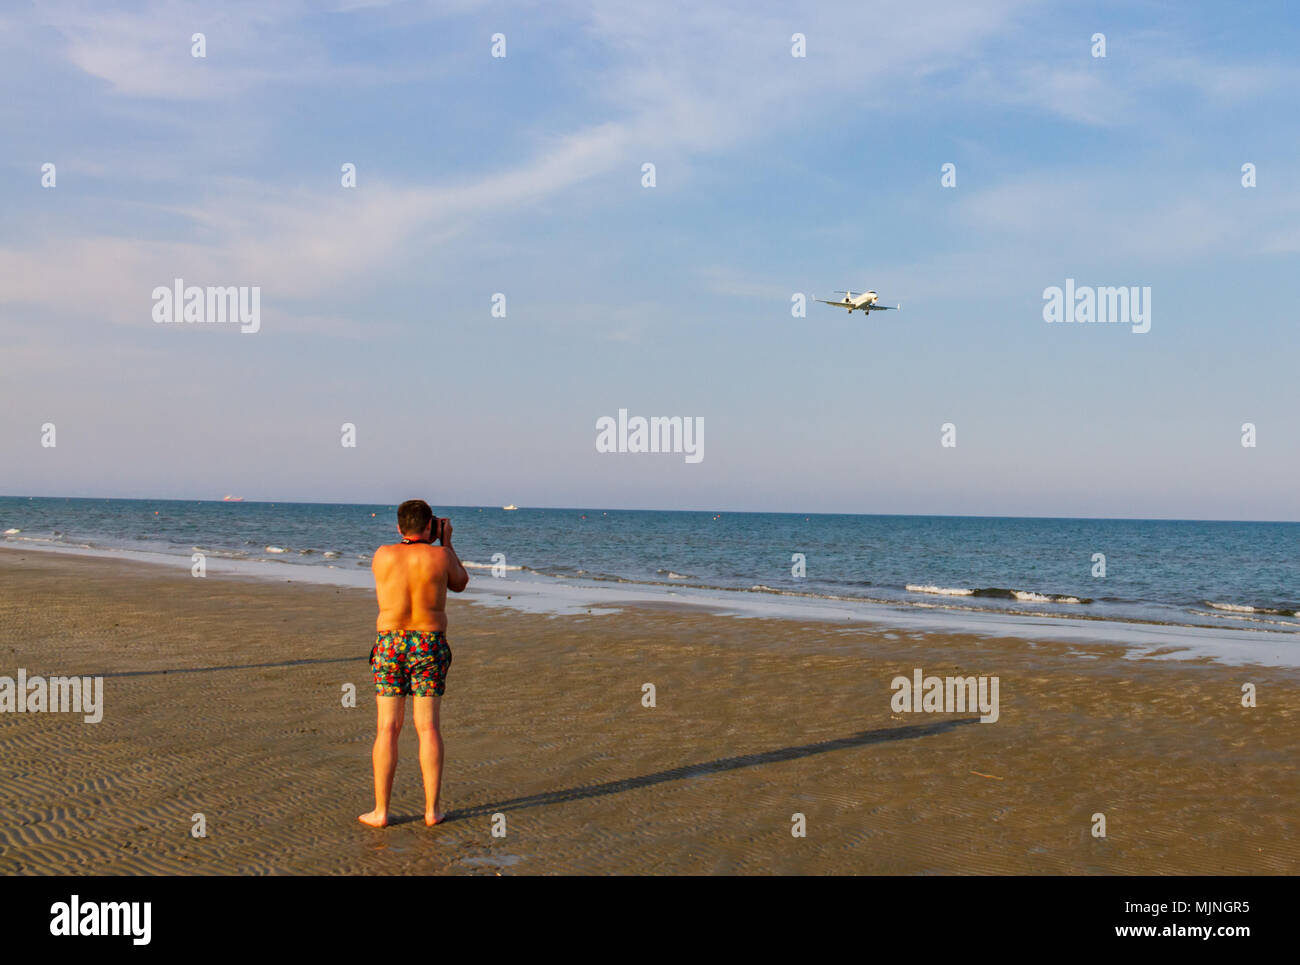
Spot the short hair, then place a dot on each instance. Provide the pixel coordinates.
(412, 516)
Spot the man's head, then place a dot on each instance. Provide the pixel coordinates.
(414, 517)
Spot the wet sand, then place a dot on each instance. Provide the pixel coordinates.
(224, 697)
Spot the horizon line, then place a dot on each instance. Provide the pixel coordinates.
(608, 509)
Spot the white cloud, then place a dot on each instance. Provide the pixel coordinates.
(1130, 213)
(679, 80)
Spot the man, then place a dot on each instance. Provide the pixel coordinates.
(411, 655)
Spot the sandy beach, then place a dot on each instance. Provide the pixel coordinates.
(224, 697)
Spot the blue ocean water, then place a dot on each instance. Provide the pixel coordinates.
(1226, 575)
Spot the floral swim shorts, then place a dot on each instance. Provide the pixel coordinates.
(410, 662)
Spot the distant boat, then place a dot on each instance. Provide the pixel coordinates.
(233, 499)
(510, 507)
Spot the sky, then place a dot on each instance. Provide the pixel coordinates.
(775, 176)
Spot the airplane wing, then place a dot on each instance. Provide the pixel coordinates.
(843, 304)
(884, 308)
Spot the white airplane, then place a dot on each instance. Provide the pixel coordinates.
(865, 303)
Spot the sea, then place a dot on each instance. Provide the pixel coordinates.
(1221, 589)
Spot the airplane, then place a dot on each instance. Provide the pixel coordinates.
(865, 303)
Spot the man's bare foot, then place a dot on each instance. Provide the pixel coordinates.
(434, 817)
(376, 819)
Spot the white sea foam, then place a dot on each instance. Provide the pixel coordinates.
(276, 549)
(11, 532)
(1231, 607)
(943, 590)
(471, 565)
(1244, 608)
(1029, 597)
(1248, 618)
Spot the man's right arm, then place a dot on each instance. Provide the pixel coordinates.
(457, 577)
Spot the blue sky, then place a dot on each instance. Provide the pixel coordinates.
(775, 175)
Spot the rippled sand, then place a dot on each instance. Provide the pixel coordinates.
(756, 720)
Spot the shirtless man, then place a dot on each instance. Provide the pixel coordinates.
(411, 655)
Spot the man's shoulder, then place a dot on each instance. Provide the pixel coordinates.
(410, 550)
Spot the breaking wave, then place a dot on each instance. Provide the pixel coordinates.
(998, 592)
(1245, 608)
(674, 576)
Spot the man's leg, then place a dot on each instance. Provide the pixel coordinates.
(384, 756)
(427, 727)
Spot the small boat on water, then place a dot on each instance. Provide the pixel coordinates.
(510, 507)
(233, 499)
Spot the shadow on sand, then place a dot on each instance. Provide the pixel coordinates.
(233, 666)
(862, 739)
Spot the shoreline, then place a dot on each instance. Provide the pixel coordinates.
(225, 700)
(1237, 646)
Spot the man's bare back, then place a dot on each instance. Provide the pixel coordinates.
(411, 582)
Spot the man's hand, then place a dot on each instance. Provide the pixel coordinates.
(443, 528)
